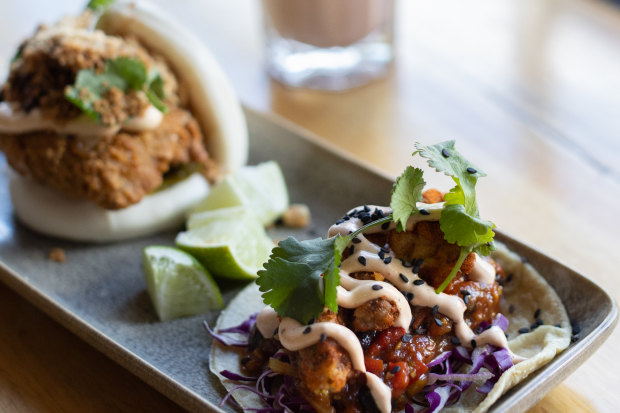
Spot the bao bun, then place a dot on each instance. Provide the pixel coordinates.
(213, 103)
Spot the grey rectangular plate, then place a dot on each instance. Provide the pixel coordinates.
(99, 293)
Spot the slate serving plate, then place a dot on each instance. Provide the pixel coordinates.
(99, 293)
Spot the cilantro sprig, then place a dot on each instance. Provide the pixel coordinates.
(124, 73)
(300, 278)
(98, 5)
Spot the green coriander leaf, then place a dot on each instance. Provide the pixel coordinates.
(18, 53)
(406, 192)
(131, 70)
(89, 87)
(155, 92)
(292, 281)
(485, 249)
(98, 5)
(463, 229)
(332, 274)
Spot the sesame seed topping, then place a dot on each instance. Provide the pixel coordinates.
(406, 264)
(385, 225)
(351, 249)
(366, 208)
(524, 330)
(523, 260)
(473, 343)
(381, 254)
(404, 278)
(395, 369)
(471, 170)
(509, 278)
(424, 211)
(539, 321)
(434, 309)
(533, 326)
(455, 341)
(410, 296)
(323, 337)
(340, 221)
(377, 287)
(537, 313)
(387, 260)
(466, 299)
(356, 240)
(418, 282)
(558, 325)
(438, 322)
(311, 321)
(574, 338)
(576, 328)
(416, 265)
(511, 308)
(465, 292)
(362, 260)
(406, 338)
(445, 153)
(308, 330)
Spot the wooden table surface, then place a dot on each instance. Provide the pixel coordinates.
(530, 89)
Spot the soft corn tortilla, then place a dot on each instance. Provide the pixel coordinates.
(527, 292)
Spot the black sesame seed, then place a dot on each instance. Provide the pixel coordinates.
(418, 282)
(362, 260)
(434, 309)
(410, 296)
(511, 308)
(323, 337)
(537, 313)
(466, 299)
(574, 338)
(340, 221)
(308, 330)
(356, 240)
(473, 343)
(406, 338)
(506, 334)
(395, 369)
(385, 249)
(558, 325)
(539, 321)
(424, 211)
(524, 330)
(445, 153)
(465, 293)
(245, 360)
(523, 260)
(381, 254)
(438, 322)
(416, 265)
(351, 249)
(403, 277)
(509, 278)
(420, 330)
(479, 330)
(385, 225)
(387, 260)
(533, 326)
(311, 321)
(576, 328)
(471, 170)
(455, 341)
(366, 208)
(377, 287)
(406, 264)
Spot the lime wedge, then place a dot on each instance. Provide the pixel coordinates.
(178, 284)
(260, 188)
(230, 243)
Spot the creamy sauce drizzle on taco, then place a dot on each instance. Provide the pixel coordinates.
(353, 293)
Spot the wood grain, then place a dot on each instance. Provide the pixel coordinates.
(530, 88)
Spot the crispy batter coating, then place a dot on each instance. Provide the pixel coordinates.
(324, 367)
(112, 172)
(377, 314)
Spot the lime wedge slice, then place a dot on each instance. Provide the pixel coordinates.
(260, 188)
(178, 284)
(230, 243)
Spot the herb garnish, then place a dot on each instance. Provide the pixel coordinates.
(300, 278)
(124, 73)
(98, 5)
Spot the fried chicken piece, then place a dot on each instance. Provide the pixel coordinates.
(377, 314)
(112, 172)
(432, 196)
(324, 367)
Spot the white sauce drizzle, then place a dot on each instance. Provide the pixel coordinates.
(16, 121)
(353, 293)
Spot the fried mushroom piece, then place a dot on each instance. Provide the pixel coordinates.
(377, 314)
(324, 367)
(112, 172)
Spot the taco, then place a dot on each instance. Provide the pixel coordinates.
(419, 320)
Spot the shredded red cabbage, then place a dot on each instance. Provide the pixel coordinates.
(242, 330)
(447, 380)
